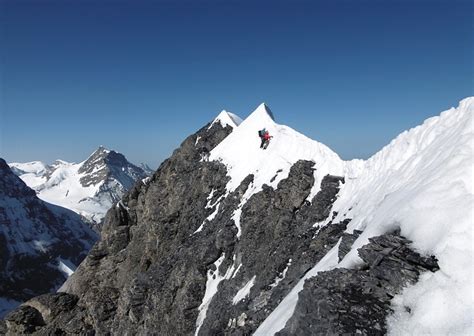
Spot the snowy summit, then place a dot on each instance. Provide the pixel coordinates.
(89, 188)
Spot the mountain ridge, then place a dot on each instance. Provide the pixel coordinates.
(89, 187)
(224, 249)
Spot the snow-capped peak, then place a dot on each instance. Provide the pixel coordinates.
(101, 151)
(89, 187)
(226, 118)
(262, 111)
(242, 155)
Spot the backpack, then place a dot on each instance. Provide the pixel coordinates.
(261, 133)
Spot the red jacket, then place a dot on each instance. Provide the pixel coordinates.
(266, 136)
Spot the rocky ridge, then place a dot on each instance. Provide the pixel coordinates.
(171, 251)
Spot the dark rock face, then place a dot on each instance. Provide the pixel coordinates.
(33, 236)
(347, 240)
(349, 301)
(277, 234)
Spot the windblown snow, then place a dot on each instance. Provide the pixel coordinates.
(422, 183)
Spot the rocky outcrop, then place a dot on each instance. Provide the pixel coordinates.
(357, 301)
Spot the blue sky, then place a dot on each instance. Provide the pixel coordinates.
(140, 76)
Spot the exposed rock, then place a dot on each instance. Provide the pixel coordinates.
(357, 301)
(24, 320)
(347, 240)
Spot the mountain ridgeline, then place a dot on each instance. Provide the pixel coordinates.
(40, 243)
(89, 188)
(249, 241)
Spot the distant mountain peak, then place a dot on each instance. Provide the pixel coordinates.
(100, 151)
(89, 188)
(226, 118)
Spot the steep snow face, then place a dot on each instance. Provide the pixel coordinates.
(242, 155)
(422, 183)
(226, 118)
(64, 188)
(89, 188)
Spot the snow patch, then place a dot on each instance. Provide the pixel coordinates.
(244, 291)
(281, 276)
(66, 266)
(283, 312)
(212, 283)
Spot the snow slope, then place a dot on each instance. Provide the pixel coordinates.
(241, 153)
(33, 173)
(422, 183)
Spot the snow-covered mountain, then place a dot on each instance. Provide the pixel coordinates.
(89, 188)
(290, 240)
(40, 243)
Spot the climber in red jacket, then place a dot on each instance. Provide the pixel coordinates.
(265, 140)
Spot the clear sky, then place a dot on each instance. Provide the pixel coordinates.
(140, 76)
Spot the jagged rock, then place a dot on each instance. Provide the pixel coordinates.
(277, 225)
(347, 240)
(50, 305)
(357, 301)
(24, 320)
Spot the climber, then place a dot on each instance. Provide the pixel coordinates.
(261, 134)
(265, 137)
